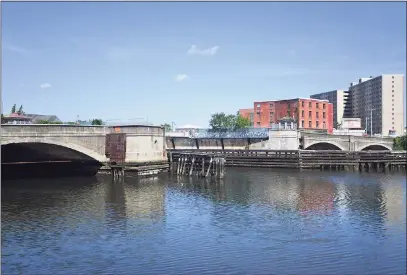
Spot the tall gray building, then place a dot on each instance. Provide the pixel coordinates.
(338, 98)
(381, 97)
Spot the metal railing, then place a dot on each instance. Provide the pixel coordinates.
(260, 133)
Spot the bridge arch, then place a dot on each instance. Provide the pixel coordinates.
(72, 146)
(329, 145)
(376, 147)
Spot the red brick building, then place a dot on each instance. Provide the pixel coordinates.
(310, 114)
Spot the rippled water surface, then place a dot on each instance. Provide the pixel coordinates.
(252, 222)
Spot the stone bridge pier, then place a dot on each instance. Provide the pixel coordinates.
(346, 143)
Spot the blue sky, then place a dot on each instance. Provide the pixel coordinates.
(180, 62)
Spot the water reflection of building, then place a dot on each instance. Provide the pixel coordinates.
(316, 195)
(395, 199)
(281, 192)
(145, 199)
(294, 193)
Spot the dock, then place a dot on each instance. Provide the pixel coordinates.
(335, 160)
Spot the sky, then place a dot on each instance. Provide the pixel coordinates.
(181, 62)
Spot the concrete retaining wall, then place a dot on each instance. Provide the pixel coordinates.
(283, 140)
(145, 148)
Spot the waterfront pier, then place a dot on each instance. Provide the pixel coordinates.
(379, 161)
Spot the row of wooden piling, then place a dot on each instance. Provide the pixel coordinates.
(198, 164)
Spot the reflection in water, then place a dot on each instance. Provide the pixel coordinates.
(251, 222)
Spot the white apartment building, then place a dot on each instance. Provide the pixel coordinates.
(381, 97)
(338, 99)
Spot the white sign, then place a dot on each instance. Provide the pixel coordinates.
(351, 123)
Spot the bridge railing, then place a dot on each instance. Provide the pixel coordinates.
(41, 130)
(237, 134)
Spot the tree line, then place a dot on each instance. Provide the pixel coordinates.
(222, 122)
(400, 143)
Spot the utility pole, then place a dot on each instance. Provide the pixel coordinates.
(371, 122)
(366, 126)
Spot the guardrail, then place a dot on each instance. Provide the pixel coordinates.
(238, 134)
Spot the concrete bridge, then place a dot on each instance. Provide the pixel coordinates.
(345, 143)
(147, 143)
(144, 144)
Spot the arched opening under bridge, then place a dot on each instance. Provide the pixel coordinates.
(376, 147)
(38, 159)
(323, 146)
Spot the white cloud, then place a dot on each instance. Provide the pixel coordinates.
(194, 50)
(45, 86)
(181, 77)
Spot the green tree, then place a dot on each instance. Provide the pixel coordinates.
(221, 121)
(241, 122)
(2, 118)
(13, 109)
(400, 143)
(97, 121)
(20, 110)
(167, 127)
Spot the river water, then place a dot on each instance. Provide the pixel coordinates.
(252, 222)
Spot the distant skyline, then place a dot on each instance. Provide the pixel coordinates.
(182, 61)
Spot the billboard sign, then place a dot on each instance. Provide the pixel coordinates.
(351, 123)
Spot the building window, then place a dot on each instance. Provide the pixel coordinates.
(323, 125)
(317, 105)
(310, 104)
(309, 113)
(392, 95)
(392, 86)
(258, 105)
(317, 124)
(302, 124)
(323, 106)
(302, 113)
(317, 114)
(258, 113)
(392, 77)
(392, 91)
(309, 124)
(302, 103)
(323, 115)
(258, 123)
(392, 108)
